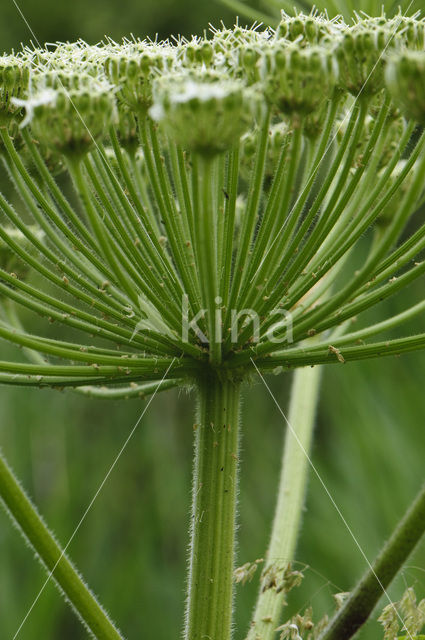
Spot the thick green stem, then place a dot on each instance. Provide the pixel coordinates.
(215, 487)
(67, 578)
(290, 503)
(374, 583)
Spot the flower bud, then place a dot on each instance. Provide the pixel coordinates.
(296, 80)
(205, 113)
(307, 29)
(69, 112)
(405, 79)
(196, 52)
(409, 30)
(132, 70)
(237, 51)
(360, 58)
(280, 135)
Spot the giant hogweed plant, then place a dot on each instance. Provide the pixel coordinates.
(238, 202)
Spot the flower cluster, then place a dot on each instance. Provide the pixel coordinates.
(213, 176)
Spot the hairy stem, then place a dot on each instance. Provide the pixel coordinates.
(215, 486)
(378, 577)
(290, 503)
(64, 574)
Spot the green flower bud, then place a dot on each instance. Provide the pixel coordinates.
(132, 70)
(67, 57)
(297, 81)
(307, 29)
(237, 51)
(280, 135)
(410, 31)
(226, 40)
(196, 52)
(205, 113)
(9, 260)
(405, 78)
(14, 79)
(69, 112)
(360, 58)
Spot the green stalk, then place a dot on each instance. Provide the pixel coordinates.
(206, 253)
(215, 487)
(66, 577)
(378, 577)
(290, 503)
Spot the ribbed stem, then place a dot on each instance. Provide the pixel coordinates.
(290, 503)
(67, 578)
(215, 486)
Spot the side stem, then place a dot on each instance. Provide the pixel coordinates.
(290, 503)
(359, 606)
(215, 487)
(31, 525)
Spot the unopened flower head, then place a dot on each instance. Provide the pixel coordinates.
(69, 112)
(307, 29)
(298, 81)
(132, 69)
(280, 135)
(237, 51)
(409, 30)
(198, 51)
(360, 53)
(206, 113)
(66, 57)
(405, 78)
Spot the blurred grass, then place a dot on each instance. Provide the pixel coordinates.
(132, 548)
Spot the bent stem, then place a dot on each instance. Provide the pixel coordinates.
(290, 503)
(215, 486)
(359, 606)
(31, 525)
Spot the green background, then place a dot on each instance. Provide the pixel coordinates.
(132, 548)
